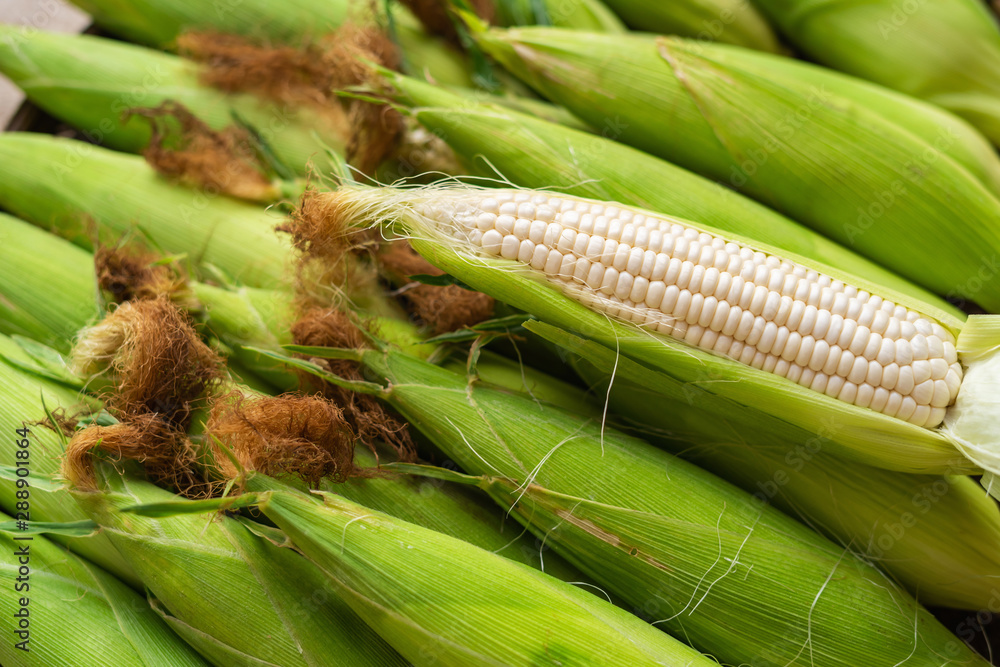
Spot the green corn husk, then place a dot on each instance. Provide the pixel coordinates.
(234, 596)
(964, 444)
(912, 526)
(441, 601)
(63, 184)
(949, 134)
(450, 509)
(159, 22)
(235, 317)
(888, 193)
(25, 399)
(591, 15)
(242, 317)
(730, 21)
(90, 82)
(545, 155)
(36, 259)
(936, 535)
(78, 615)
(704, 560)
(944, 51)
(504, 373)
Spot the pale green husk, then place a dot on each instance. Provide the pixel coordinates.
(441, 601)
(972, 422)
(232, 595)
(64, 184)
(591, 15)
(704, 560)
(944, 51)
(91, 82)
(937, 535)
(80, 615)
(27, 397)
(826, 160)
(159, 22)
(451, 509)
(36, 260)
(730, 21)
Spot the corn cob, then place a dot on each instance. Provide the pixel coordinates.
(730, 21)
(891, 44)
(107, 622)
(890, 194)
(91, 82)
(580, 163)
(911, 526)
(883, 367)
(452, 617)
(24, 399)
(160, 22)
(695, 555)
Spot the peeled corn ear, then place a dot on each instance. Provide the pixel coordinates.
(817, 344)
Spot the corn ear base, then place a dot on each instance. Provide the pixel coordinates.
(107, 623)
(453, 619)
(948, 133)
(889, 194)
(689, 551)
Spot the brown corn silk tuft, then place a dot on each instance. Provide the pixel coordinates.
(371, 420)
(61, 420)
(155, 361)
(310, 74)
(130, 274)
(436, 18)
(444, 308)
(305, 436)
(328, 251)
(185, 149)
(168, 457)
